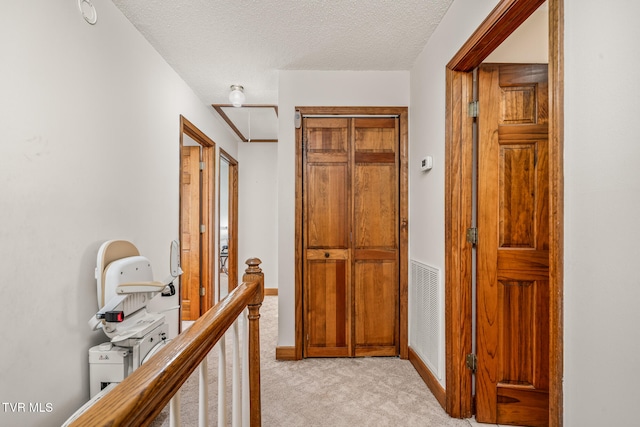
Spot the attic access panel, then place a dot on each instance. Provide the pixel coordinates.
(252, 123)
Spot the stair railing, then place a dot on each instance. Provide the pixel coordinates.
(139, 399)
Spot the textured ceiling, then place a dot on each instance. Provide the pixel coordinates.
(213, 44)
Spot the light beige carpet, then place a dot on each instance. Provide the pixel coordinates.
(373, 391)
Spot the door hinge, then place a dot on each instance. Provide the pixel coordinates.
(472, 235)
(473, 109)
(203, 228)
(203, 291)
(201, 166)
(472, 362)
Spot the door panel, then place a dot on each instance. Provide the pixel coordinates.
(190, 228)
(513, 246)
(517, 190)
(327, 207)
(326, 137)
(376, 310)
(375, 135)
(327, 255)
(375, 225)
(375, 205)
(327, 319)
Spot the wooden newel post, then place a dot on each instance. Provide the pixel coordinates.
(253, 273)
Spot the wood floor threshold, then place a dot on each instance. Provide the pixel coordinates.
(428, 378)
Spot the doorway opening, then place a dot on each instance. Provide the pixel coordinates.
(197, 189)
(228, 225)
(504, 19)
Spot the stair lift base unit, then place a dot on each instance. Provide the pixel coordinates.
(125, 286)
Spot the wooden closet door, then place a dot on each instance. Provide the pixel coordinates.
(327, 208)
(375, 235)
(351, 234)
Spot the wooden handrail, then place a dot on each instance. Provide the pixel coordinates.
(138, 399)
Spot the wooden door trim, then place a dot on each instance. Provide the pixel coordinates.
(503, 20)
(403, 114)
(208, 236)
(458, 210)
(196, 134)
(208, 190)
(232, 260)
(500, 23)
(556, 209)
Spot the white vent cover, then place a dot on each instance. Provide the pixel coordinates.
(424, 331)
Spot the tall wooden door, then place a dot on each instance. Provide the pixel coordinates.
(190, 219)
(512, 383)
(350, 235)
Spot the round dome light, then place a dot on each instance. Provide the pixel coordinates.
(236, 96)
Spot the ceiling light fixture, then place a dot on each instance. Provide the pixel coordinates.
(236, 96)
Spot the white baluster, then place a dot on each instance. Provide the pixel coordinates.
(245, 368)
(236, 405)
(222, 383)
(203, 398)
(174, 410)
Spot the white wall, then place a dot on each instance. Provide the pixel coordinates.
(89, 141)
(528, 43)
(602, 208)
(258, 208)
(427, 137)
(316, 88)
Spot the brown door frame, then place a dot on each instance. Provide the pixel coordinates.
(232, 231)
(501, 22)
(403, 114)
(207, 211)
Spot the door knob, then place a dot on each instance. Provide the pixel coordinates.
(326, 254)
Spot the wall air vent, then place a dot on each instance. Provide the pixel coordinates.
(424, 315)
